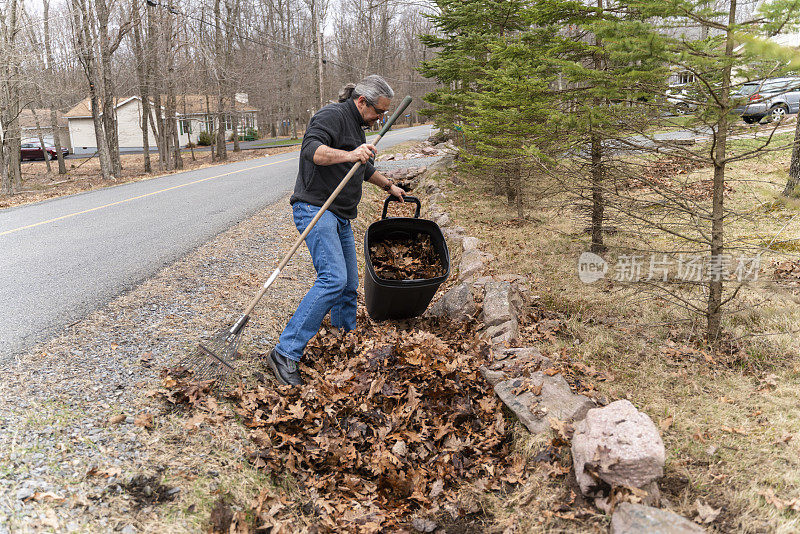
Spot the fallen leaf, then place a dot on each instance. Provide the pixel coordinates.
(47, 496)
(116, 419)
(705, 513)
(665, 423)
(733, 430)
(107, 472)
(144, 420)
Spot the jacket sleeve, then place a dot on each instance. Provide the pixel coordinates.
(323, 128)
(369, 170)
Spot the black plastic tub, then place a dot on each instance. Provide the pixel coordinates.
(401, 299)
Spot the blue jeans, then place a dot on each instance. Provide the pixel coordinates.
(333, 252)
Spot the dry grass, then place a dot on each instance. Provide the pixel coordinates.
(84, 174)
(734, 434)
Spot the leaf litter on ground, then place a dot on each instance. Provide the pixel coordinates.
(395, 418)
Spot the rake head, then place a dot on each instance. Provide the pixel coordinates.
(214, 359)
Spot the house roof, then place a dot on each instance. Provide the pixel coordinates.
(195, 104)
(27, 120)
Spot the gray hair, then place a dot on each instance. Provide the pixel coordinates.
(371, 88)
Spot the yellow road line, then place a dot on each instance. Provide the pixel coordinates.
(140, 196)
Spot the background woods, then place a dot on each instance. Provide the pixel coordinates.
(283, 58)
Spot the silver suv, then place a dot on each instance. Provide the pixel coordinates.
(773, 97)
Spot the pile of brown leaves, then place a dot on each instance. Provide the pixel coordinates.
(391, 422)
(406, 259)
(788, 272)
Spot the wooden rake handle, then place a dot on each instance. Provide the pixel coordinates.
(400, 109)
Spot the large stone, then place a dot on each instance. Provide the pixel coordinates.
(471, 264)
(503, 334)
(512, 363)
(620, 445)
(502, 302)
(470, 243)
(555, 399)
(631, 518)
(457, 304)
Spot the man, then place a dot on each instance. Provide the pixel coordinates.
(333, 142)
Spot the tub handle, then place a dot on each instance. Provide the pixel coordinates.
(393, 198)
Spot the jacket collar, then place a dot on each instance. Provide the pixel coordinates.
(351, 105)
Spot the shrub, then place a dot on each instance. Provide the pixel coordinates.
(204, 139)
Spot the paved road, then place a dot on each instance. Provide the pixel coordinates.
(60, 259)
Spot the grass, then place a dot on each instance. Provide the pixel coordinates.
(734, 436)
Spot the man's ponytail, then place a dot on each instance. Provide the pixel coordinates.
(347, 92)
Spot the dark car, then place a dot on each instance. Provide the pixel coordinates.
(31, 150)
(774, 98)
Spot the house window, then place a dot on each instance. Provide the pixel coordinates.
(248, 120)
(228, 122)
(209, 123)
(186, 126)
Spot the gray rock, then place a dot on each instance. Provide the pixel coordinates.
(443, 220)
(25, 492)
(470, 243)
(618, 443)
(129, 529)
(457, 304)
(453, 235)
(471, 264)
(501, 303)
(513, 363)
(424, 525)
(503, 334)
(631, 518)
(556, 400)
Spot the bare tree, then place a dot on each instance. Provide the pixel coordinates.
(10, 99)
(85, 45)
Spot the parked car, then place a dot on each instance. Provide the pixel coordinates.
(773, 97)
(33, 150)
(681, 98)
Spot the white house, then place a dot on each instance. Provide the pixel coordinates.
(195, 114)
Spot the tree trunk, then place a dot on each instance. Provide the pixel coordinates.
(794, 168)
(62, 166)
(45, 154)
(235, 119)
(48, 50)
(598, 204)
(715, 286)
(9, 102)
(85, 43)
(107, 88)
(142, 73)
(519, 182)
(218, 62)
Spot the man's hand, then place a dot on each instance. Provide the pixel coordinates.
(363, 153)
(399, 192)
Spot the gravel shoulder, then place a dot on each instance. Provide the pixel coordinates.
(65, 456)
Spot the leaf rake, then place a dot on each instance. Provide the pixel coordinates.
(216, 357)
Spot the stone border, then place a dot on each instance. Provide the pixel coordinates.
(615, 446)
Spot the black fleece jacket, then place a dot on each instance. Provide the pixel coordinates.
(337, 126)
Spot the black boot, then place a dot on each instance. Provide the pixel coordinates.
(285, 370)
